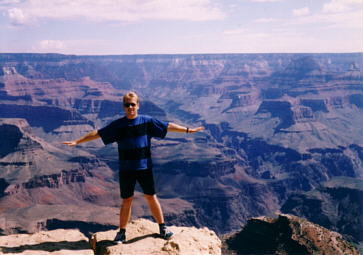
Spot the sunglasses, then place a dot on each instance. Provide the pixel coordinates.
(127, 105)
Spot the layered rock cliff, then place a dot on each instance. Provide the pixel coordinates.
(35, 173)
(275, 124)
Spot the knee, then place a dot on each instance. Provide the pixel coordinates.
(127, 201)
(150, 197)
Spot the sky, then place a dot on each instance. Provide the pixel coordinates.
(119, 27)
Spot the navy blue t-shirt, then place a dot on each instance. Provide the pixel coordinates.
(133, 137)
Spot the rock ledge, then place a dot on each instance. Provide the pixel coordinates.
(142, 238)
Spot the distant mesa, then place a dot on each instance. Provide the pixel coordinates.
(300, 67)
(315, 104)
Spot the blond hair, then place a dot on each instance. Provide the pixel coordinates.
(131, 94)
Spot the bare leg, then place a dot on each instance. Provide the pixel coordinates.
(125, 212)
(155, 208)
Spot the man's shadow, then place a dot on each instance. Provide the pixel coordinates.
(101, 245)
(64, 245)
(139, 238)
(48, 246)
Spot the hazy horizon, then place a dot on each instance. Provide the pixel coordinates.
(176, 54)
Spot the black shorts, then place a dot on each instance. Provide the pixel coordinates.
(128, 180)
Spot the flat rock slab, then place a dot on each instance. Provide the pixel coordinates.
(142, 239)
(56, 242)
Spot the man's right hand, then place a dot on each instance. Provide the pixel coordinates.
(70, 143)
(193, 130)
(89, 137)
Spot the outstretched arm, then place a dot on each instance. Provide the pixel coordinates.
(172, 127)
(89, 137)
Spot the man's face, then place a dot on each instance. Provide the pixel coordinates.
(131, 107)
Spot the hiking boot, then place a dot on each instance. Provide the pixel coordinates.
(120, 237)
(165, 233)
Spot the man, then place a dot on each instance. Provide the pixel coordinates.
(133, 134)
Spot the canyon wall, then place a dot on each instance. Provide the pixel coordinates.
(275, 125)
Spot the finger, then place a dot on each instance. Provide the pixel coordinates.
(69, 143)
(199, 129)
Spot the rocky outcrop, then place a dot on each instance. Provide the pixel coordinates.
(277, 109)
(303, 114)
(335, 207)
(142, 238)
(240, 99)
(288, 235)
